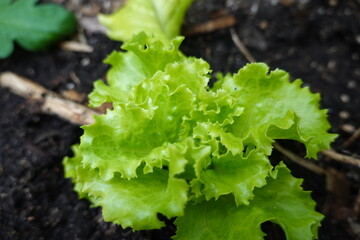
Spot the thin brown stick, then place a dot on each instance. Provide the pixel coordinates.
(341, 158)
(241, 46)
(210, 26)
(299, 160)
(50, 102)
(353, 137)
(73, 46)
(311, 166)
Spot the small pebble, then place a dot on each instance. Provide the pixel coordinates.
(263, 24)
(345, 98)
(357, 38)
(348, 128)
(70, 85)
(333, 3)
(331, 64)
(351, 84)
(254, 8)
(320, 11)
(344, 114)
(85, 62)
(313, 64)
(357, 72)
(107, 4)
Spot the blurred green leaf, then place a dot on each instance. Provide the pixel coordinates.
(160, 18)
(34, 27)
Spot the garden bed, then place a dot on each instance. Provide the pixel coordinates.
(317, 41)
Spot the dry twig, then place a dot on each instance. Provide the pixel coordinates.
(341, 158)
(210, 26)
(299, 160)
(355, 136)
(49, 102)
(241, 46)
(76, 47)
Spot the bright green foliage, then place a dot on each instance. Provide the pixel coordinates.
(281, 201)
(160, 18)
(32, 27)
(235, 174)
(276, 109)
(141, 61)
(156, 192)
(173, 146)
(155, 111)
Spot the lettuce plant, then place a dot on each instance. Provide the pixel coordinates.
(173, 146)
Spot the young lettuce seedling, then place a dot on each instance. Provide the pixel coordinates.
(174, 146)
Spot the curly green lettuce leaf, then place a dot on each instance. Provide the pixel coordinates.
(213, 175)
(160, 18)
(142, 59)
(32, 27)
(135, 132)
(237, 174)
(131, 203)
(275, 108)
(281, 201)
(70, 170)
(217, 107)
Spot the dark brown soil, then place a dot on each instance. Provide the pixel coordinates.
(317, 41)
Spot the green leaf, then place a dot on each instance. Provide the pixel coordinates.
(139, 130)
(217, 107)
(71, 165)
(275, 108)
(131, 203)
(159, 18)
(33, 27)
(281, 201)
(144, 57)
(235, 174)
